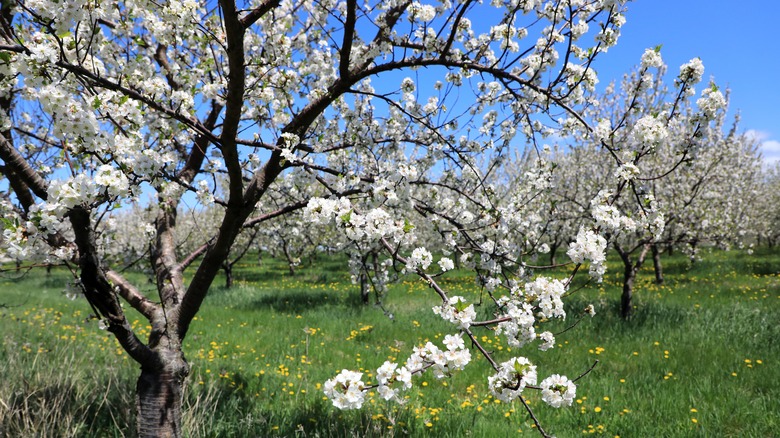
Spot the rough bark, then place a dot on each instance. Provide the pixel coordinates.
(159, 396)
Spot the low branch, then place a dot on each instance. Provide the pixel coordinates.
(14, 160)
(132, 295)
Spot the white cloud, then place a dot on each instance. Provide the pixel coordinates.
(770, 148)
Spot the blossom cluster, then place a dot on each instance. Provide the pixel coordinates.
(457, 311)
(649, 130)
(375, 224)
(711, 101)
(421, 258)
(348, 391)
(512, 378)
(588, 245)
(608, 216)
(541, 297)
(652, 58)
(558, 391)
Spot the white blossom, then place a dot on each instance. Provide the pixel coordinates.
(558, 391)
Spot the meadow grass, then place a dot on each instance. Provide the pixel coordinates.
(698, 359)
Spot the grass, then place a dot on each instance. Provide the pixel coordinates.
(698, 359)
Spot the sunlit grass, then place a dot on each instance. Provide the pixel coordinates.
(699, 358)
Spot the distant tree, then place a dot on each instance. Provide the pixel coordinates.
(691, 179)
(766, 214)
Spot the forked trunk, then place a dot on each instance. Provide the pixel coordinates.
(630, 270)
(158, 398)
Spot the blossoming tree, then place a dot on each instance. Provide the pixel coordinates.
(690, 178)
(766, 215)
(107, 103)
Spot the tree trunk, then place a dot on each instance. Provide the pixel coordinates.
(626, 299)
(364, 289)
(228, 269)
(693, 252)
(553, 251)
(629, 276)
(158, 398)
(290, 264)
(659, 269)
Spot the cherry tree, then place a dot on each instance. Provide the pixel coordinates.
(108, 104)
(766, 215)
(712, 199)
(691, 179)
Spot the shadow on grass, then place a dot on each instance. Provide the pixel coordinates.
(299, 301)
(748, 264)
(232, 407)
(260, 276)
(647, 315)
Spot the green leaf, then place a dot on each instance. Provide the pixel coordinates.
(408, 226)
(461, 305)
(346, 217)
(7, 223)
(521, 368)
(5, 56)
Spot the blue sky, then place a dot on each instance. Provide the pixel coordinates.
(737, 41)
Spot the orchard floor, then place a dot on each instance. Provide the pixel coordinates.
(700, 358)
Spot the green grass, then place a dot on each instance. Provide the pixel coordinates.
(698, 359)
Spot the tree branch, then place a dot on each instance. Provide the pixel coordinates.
(258, 13)
(349, 35)
(14, 160)
(132, 295)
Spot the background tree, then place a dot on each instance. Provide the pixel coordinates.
(685, 161)
(766, 215)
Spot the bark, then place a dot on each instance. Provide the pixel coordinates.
(553, 251)
(289, 257)
(159, 396)
(659, 269)
(693, 252)
(364, 289)
(630, 269)
(228, 269)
